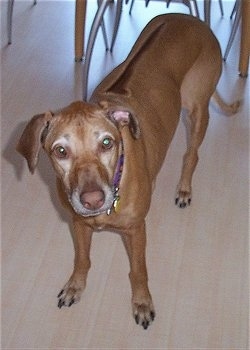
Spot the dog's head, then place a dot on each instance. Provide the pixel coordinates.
(84, 144)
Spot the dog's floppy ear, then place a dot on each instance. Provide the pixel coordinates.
(122, 116)
(31, 140)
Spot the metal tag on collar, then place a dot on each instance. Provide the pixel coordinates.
(115, 203)
(116, 182)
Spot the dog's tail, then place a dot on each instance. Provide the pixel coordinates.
(228, 109)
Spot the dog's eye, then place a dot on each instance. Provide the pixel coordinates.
(107, 143)
(60, 152)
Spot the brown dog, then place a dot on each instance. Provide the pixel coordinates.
(107, 153)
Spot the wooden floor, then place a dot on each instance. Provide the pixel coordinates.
(197, 258)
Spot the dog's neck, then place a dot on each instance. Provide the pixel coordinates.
(116, 181)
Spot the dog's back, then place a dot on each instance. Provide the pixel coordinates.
(165, 50)
(176, 62)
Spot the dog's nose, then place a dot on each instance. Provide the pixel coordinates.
(92, 200)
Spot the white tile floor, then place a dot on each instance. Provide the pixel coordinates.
(197, 258)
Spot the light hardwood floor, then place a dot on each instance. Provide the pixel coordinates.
(197, 257)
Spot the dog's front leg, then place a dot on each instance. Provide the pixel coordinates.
(71, 292)
(142, 305)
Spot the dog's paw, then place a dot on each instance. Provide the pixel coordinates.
(70, 294)
(183, 199)
(144, 314)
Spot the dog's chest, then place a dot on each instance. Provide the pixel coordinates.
(117, 222)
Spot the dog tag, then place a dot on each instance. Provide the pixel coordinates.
(117, 204)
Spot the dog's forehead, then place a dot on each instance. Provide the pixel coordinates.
(80, 118)
(80, 126)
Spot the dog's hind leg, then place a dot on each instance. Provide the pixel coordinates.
(196, 124)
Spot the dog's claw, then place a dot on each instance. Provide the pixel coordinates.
(71, 302)
(182, 205)
(60, 303)
(144, 316)
(60, 294)
(70, 294)
(145, 324)
(152, 315)
(183, 199)
(137, 319)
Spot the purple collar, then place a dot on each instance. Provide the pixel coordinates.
(116, 182)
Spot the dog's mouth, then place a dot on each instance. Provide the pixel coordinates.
(92, 202)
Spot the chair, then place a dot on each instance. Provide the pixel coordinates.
(77, 57)
(207, 10)
(207, 7)
(185, 2)
(79, 27)
(188, 3)
(98, 20)
(237, 12)
(9, 18)
(79, 24)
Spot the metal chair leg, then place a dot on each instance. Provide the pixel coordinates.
(92, 36)
(104, 33)
(98, 20)
(117, 22)
(9, 20)
(197, 14)
(234, 10)
(188, 4)
(131, 6)
(234, 28)
(221, 8)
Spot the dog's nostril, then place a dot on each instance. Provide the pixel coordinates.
(92, 200)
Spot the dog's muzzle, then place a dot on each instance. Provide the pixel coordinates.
(92, 203)
(93, 200)
(96, 200)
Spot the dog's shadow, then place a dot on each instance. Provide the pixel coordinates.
(44, 168)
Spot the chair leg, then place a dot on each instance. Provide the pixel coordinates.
(9, 20)
(104, 33)
(197, 14)
(234, 10)
(92, 36)
(234, 28)
(80, 19)
(117, 22)
(131, 6)
(207, 10)
(221, 8)
(188, 4)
